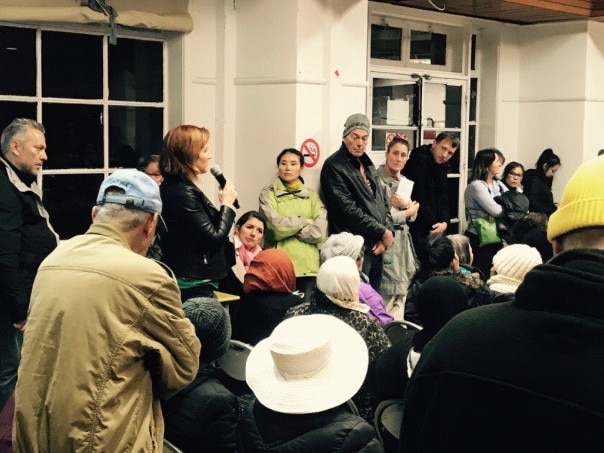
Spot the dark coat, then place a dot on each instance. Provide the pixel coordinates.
(351, 205)
(255, 315)
(519, 376)
(203, 416)
(194, 245)
(538, 189)
(335, 430)
(430, 190)
(26, 238)
(515, 206)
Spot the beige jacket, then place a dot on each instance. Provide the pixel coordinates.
(105, 339)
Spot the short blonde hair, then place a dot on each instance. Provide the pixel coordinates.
(180, 150)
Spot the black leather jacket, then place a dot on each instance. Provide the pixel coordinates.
(352, 205)
(194, 246)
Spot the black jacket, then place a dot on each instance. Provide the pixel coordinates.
(351, 205)
(538, 189)
(517, 376)
(26, 238)
(203, 416)
(194, 245)
(335, 430)
(430, 189)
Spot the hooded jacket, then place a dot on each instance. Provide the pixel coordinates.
(517, 376)
(538, 189)
(106, 338)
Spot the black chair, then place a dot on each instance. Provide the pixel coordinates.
(399, 330)
(387, 423)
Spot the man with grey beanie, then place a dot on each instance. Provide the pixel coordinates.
(354, 199)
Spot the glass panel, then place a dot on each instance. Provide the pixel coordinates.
(442, 105)
(74, 135)
(473, 98)
(395, 102)
(18, 61)
(379, 137)
(471, 148)
(386, 42)
(428, 48)
(11, 110)
(473, 53)
(136, 71)
(69, 200)
(134, 132)
(453, 192)
(72, 65)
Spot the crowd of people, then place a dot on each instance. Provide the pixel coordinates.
(105, 349)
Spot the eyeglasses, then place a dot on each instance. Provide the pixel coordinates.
(516, 175)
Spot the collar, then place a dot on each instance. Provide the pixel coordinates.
(102, 229)
(280, 190)
(22, 181)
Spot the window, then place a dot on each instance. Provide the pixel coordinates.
(103, 107)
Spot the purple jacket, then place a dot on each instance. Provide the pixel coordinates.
(371, 297)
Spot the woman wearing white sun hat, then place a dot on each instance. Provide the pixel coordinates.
(302, 376)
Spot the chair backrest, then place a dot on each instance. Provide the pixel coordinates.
(398, 330)
(234, 360)
(169, 447)
(387, 423)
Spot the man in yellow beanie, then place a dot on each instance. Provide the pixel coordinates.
(524, 375)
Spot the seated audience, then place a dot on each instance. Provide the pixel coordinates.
(267, 294)
(249, 232)
(302, 377)
(524, 376)
(205, 412)
(337, 294)
(443, 261)
(510, 265)
(348, 244)
(463, 251)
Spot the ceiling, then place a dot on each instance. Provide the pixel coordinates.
(523, 12)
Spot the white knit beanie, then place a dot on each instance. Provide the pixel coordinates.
(512, 263)
(342, 244)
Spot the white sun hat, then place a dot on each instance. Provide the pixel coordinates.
(309, 364)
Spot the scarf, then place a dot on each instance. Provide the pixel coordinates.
(270, 271)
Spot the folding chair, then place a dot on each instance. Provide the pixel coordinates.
(232, 366)
(398, 330)
(387, 423)
(169, 447)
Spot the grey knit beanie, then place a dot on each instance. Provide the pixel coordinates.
(212, 326)
(356, 121)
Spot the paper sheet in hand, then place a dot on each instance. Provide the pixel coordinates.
(405, 186)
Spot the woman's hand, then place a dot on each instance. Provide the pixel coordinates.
(228, 194)
(412, 209)
(398, 202)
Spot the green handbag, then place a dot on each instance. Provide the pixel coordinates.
(486, 231)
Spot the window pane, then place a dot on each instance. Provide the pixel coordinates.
(473, 98)
(386, 42)
(18, 61)
(134, 132)
(428, 48)
(69, 200)
(136, 71)
(11, 110)
(72, 65)
(395, 102)
(74, 135)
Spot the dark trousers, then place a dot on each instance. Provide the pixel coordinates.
(373, 265)
(11, 341)
(483, 256)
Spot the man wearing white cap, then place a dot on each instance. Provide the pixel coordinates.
(106, 336)
(524, 375)
(354, 198)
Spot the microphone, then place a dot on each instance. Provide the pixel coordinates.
(217, 173)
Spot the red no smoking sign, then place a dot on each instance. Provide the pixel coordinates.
(311, 152)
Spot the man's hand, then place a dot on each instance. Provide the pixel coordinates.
(379, 248)
(387, 239)
(20, 326)
(438, 228)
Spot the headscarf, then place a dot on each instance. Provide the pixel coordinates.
(270, 271)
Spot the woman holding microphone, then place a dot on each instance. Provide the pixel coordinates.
(198, 232)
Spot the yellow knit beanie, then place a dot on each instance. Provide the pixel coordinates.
(582, 203)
